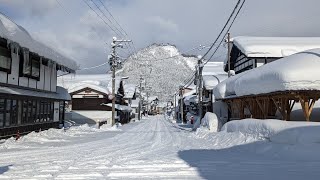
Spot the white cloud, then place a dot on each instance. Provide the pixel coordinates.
(31, 7)
(187, 23)
(163, 24)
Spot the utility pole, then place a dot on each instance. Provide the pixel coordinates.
(115, 43)
(181, 103)
(175, 105)
(229, 52)
(200, 67)
(139, 107)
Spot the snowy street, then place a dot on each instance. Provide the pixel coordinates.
(154, 148)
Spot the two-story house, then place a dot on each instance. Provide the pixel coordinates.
(249, 52)
(29, 97)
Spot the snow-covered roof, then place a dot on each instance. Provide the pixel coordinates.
(190, 93)
(13, 32)
(84, 85)
(296, 72)
(129, 90)
(119, 107)
(210, 81)
(274, 46)
(60, 94)
(191, 98)
(213, 68)
(152, 98)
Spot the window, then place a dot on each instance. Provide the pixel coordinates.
(5, 56)
(30, 64)
(2, 110)
(14, 112)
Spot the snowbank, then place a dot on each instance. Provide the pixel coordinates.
(54, 136)
(277, 130)
(210, 120)
(288, 73)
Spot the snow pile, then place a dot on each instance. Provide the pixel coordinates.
(210, 121)
(276, 130)
(288, 73)
(298, 135)
(16, 33)
(111, 128)
(54, 136)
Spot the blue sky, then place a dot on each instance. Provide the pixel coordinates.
(76, 31)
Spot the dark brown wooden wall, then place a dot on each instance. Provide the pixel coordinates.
(90, 104)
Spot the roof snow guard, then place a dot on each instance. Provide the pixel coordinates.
(15, 33)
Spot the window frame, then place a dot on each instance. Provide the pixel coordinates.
(34, 60)
(5, 52)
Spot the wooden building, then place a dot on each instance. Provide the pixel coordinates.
(89, 97)
(29, 97)
(251, 52)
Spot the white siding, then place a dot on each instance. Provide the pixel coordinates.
(32, 83)
(23, 81)
(47, 80)
(14, 76)
(3, 77)
(40, 84)
(53, 78)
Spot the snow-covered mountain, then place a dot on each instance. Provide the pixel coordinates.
(163, 67)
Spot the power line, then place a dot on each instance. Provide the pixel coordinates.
(115, 28)
(226, 31)
(113, 17)
(124, 33)
(223, 29)
(100, 17)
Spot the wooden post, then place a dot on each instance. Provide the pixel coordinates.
(307, 106)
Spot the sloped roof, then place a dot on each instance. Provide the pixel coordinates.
(13, 32)
(80, 86)
(274, 46)
(60, 94)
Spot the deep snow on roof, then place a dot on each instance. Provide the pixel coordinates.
(274, 46)
(84, 85)
(296, 72)
(13, 32)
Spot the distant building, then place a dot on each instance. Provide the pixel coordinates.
(251, 52)
(89, 97)
(29, 97)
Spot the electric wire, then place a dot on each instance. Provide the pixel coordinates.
(223, 29)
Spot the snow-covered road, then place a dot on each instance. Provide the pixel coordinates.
(154, 148)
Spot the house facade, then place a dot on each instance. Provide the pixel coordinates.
(89, 97)
(29, 97)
